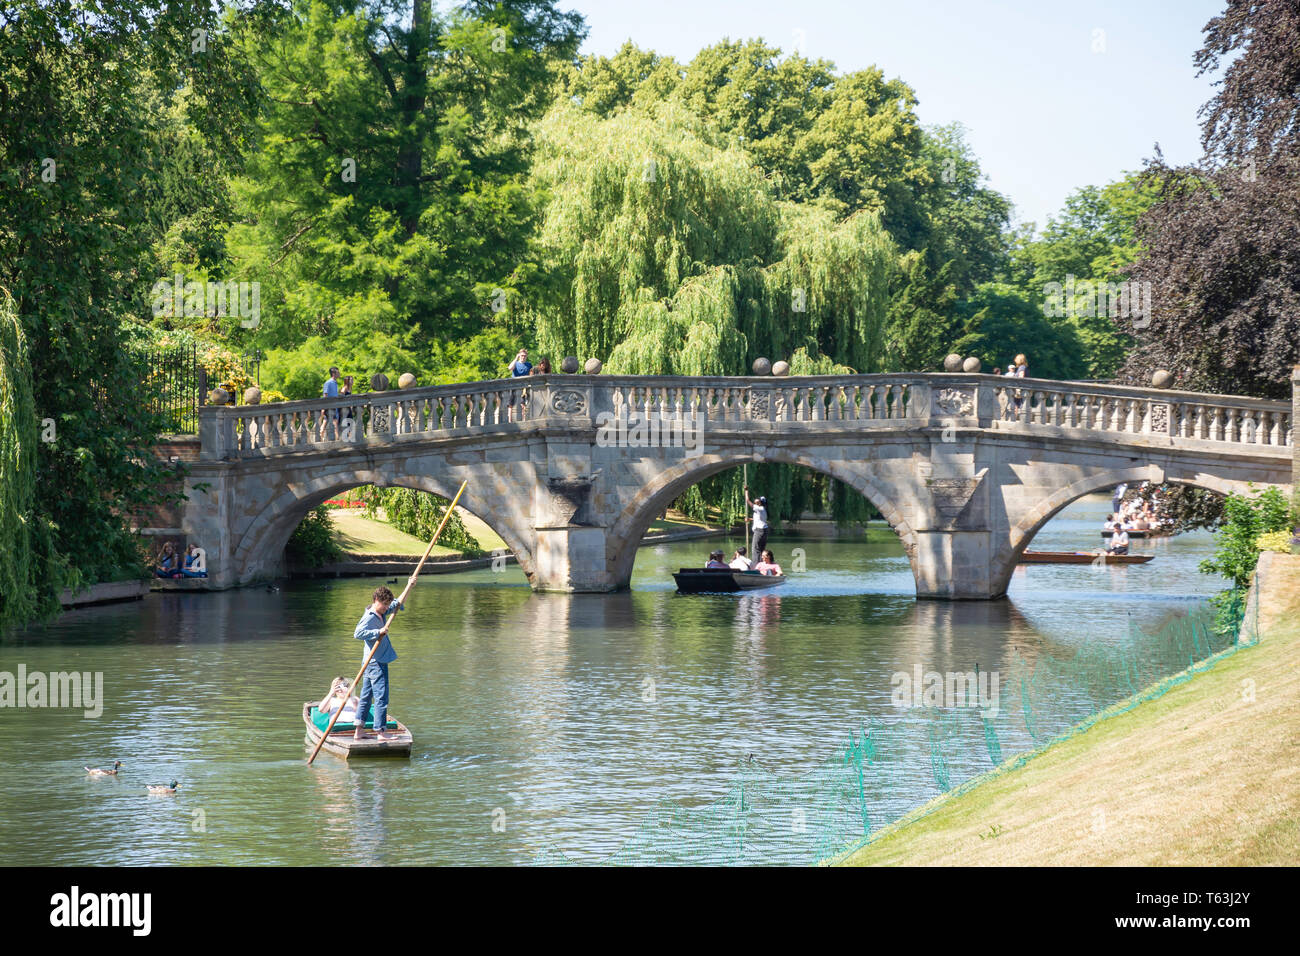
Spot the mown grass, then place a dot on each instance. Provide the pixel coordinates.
(1207, 774)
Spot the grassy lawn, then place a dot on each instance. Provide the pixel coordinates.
(357, 534)
(1207, 775)
(675, 521)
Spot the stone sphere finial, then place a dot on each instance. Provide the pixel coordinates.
(952, 363)
(1162, 378)
(218, 396)
(972, 364)
(781, 368)
(593, 366)
(406, 380)
(252, 395)
(569, 364)
(379, 382)
(762, 366)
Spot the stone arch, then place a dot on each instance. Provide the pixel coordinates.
(638, 514)
(260, 549)
(1033, 520)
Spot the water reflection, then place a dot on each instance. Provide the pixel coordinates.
(572, 715)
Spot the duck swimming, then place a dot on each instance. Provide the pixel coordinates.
(162, 788)
(100, 772)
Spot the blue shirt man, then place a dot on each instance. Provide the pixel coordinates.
(521, 366)
(331, 387)
(372, 629)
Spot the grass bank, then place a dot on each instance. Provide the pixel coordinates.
(357, 534)
(1207, 774)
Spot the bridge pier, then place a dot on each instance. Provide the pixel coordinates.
(571, 559)
(956, 566)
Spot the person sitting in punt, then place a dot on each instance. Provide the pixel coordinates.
(1111, 524)
(196, 562)
(740, 562)
(768, 564)
(716, 563)
(1119, 542)
(339, 690)
(167, 564)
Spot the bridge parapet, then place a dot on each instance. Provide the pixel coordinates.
(1123, 410)
(1118, 413)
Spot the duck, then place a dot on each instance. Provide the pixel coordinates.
(101, 772)
(162, 788)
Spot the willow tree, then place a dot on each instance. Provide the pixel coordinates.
(668, 254)
(17, 470)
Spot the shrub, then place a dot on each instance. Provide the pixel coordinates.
(1244, 520)
(312, 543)
(1274, 541)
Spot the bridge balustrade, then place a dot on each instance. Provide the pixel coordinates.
(861, 401)
(1188, 415)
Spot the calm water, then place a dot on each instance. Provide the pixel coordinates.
(565, 719)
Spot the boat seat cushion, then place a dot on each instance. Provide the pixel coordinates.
(322, 720)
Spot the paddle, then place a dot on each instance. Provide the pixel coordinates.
(744, 470)
(398, 603)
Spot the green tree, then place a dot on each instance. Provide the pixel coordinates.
(385, 201)
(22, 536)
(76, 130)
(1088, 248)
(1000, 323)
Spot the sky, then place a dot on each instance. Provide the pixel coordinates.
(1054, 95)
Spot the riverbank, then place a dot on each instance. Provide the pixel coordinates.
(108, 592)
(373, 547)
(1205, 774)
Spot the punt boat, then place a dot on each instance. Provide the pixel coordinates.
(726, 581)
(1082, 557)
(341, 744)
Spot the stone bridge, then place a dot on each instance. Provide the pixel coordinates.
(570, 470)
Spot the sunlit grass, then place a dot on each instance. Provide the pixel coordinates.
(1207, 774)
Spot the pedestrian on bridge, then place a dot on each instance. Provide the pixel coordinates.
(519, 368)
(331, 389)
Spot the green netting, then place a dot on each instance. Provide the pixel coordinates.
(874, 781)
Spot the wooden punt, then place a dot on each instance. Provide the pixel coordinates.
(718, 581)
(1150, 533)
(1082, 557)
(341, 744)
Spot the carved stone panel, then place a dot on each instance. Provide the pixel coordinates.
(1160, 418)
(758, 406)
(569, 401)
(955, 402)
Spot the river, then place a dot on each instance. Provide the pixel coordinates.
(543, 722)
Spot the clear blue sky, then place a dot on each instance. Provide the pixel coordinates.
(1044, 113)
